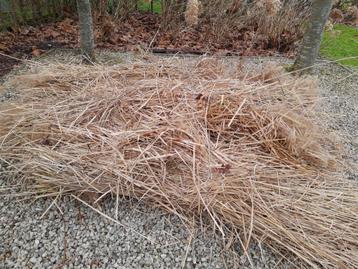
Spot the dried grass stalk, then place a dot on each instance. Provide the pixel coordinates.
(192, 13)
(196, 138)
(270, 7)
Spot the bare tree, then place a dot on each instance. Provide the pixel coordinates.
(313, 35)
(86, 29)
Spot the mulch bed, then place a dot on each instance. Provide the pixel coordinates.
(140, 31)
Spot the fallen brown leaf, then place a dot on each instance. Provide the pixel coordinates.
(37, 52)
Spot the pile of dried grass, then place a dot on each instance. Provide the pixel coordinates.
(198, 138)
(274, 23)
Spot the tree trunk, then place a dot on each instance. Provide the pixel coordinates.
(312, 38)
(86, 29)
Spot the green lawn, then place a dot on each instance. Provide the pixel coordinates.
(143, 6)
(340, 43)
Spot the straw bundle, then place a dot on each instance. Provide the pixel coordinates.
(192, 13)
(197, 138)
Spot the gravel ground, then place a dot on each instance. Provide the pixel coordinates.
(71, 235)
(339, 87)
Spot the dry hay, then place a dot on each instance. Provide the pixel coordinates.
(196, 138)
(192, 13)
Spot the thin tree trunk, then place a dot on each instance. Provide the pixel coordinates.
(313, 36)
(86, 29)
